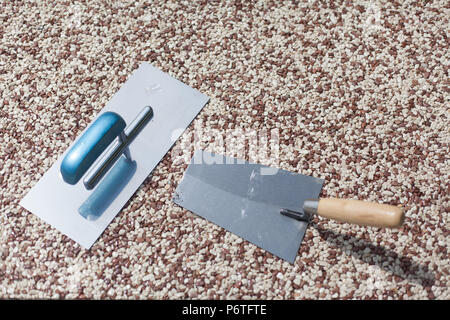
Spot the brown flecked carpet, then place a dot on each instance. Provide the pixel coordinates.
(358, 91)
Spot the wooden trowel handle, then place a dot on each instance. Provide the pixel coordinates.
(361, 212)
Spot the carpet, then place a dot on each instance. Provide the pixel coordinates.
(356, 93)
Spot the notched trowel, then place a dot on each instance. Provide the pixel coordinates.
(89, 184)
(267, 206)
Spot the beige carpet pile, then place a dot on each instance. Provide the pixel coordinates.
(358, 92)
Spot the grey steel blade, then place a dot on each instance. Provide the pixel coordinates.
(240, 197)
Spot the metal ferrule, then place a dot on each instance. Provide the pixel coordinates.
(311, 206)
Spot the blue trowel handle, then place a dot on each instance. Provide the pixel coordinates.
(91, 144)
(104, 164)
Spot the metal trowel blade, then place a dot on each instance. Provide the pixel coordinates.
(83, 214)
(245, 199)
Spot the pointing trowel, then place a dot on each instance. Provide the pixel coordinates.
(266, 206)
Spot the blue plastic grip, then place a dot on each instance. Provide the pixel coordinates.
(91, 144)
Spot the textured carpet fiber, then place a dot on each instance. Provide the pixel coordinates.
(357, 91)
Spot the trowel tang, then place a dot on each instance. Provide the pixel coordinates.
(84, 155)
